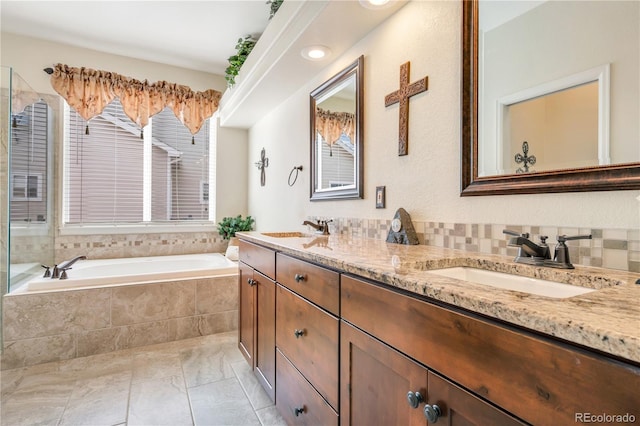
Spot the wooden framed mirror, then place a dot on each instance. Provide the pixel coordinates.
(608, 29)
(336, 136)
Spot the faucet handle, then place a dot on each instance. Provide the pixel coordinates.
(515, 234)
(563, 238)
(47, 272)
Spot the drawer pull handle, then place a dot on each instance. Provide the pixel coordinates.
(298, 410)
(298, 333)
(252, 282)
(414, 399)
(299, 277)
(432, 413)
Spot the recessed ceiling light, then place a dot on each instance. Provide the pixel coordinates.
(315, 53)
(374, 4)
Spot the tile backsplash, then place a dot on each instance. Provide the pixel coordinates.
(608, 248)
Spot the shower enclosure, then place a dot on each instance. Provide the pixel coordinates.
(26, 176)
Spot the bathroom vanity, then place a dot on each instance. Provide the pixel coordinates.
(357, 331)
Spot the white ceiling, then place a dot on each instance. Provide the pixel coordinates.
(198, 35)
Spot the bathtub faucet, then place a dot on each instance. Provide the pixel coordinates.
(60, 271)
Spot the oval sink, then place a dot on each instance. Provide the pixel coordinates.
(513, 282)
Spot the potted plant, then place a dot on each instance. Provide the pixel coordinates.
(243, 48)
(228, 227)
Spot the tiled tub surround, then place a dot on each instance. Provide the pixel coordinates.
(609, 248)
(607, 320)
(109, 246)
(59, 325)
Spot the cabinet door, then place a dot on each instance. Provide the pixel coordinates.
(453, 406)
(246, 311)
(375, 382)
(265, 354)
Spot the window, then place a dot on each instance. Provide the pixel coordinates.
(115, 174)
(26, 187)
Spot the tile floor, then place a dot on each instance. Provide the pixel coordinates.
(200, 381)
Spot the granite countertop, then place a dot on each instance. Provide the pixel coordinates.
(607, 319)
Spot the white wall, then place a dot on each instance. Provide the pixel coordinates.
(427, 181)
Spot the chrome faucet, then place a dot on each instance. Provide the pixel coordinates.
(539, 254)
(322, 227)
(60, 271)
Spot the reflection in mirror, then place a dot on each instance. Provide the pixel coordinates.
(572, 64)
(336, 136)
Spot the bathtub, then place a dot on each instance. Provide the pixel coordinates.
(136, 270)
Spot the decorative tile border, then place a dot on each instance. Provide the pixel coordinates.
(608, 248)
(26, 249)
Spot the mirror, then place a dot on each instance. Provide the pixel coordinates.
(528, 59)
(336, 136)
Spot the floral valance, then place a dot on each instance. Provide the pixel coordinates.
(331, 125)
(89, 91)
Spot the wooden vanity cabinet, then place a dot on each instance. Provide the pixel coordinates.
(534, 378)
(256, 328)
(381, 386)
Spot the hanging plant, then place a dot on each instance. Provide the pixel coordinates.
(243, 48)
(274, 5)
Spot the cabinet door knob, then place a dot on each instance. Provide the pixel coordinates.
(298, 333)
(251, 282)
(298, 277)
(432, 413)
(298, 410)
(414, 399)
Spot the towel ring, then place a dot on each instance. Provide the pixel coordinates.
(295, 177)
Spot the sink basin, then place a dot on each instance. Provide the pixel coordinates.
(284, 234)
(513, 282)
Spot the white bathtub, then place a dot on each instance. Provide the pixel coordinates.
(135, 270)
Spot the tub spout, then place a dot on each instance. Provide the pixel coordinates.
(59, 271)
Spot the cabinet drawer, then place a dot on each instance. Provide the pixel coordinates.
(552, 381)
(260, 258)
(297, 401)
(308, 336)
(320, 285)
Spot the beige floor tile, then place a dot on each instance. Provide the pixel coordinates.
(100, 400)
(205, 364)
(141, 386)
(252, 388)
(269, 416)
(221, 403)
(158, 402)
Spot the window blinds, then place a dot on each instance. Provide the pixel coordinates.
(104, 169)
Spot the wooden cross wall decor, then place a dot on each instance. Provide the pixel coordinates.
(402, 96)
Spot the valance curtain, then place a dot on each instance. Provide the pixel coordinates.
(331, 125)
(89, 91)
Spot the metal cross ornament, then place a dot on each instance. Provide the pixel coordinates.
(401, 96)
(526, 159)
(261, 165)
